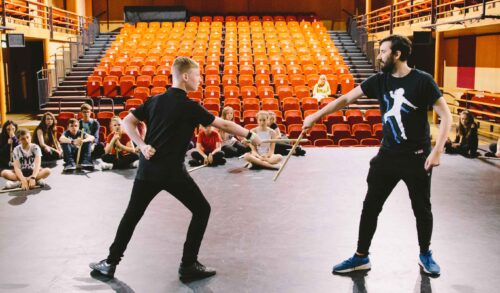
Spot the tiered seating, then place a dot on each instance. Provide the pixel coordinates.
(264, 65)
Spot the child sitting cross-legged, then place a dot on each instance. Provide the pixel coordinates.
(27, 157)
(263, 155)
(208, 148)
(119, 152)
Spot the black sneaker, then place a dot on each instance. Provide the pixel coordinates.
(300, 152)
(87, 166)
(194, 272)
(103, 268)
(70, 167)
(194, 163)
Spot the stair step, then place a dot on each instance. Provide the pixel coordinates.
(73, 83)
(68, 93)
(70, 87)
(55, 110)
(70, 78)
(86, 68)
(67, 98)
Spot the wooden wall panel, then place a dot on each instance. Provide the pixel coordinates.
(325, 9)
(450, 52)
(487, 53)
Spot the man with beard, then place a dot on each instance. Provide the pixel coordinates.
(405, 95)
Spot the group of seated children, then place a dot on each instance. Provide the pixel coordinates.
(213, 147)
(78, 145)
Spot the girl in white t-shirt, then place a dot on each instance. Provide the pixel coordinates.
(263, 155)
(231, 146)
(27, 158)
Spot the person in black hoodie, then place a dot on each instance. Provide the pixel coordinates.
(8, 142)
(466, 140)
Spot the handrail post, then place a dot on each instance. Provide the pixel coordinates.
(433, 14)
(51, 24)
(4, 15)
(391, 18)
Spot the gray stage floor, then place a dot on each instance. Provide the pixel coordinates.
(262, 236)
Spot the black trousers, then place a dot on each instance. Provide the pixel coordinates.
(122, 162)
(386, 170)
(235, 150)
(218, 158)
(182, 187)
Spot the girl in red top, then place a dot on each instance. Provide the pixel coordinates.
(119, 151)
(208, 149)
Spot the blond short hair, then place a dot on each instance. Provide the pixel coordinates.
(262, 113)
(85, 106)
(183, 64)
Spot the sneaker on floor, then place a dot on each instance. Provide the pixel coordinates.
(103, 165)
(103, 268)
(41, 182)
(428, 264)
(71, 166)
(87, 166)
(300, 151)
(134, 164)
(12, 184)
(194, 272)
(354, 263)
(194, 163)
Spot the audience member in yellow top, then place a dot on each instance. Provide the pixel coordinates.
(322, 88)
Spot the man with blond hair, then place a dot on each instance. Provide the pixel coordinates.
(171, 118)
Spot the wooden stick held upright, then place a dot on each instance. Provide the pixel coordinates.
(80, 148)
(289, 155)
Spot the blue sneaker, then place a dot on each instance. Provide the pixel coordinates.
(354, 263)
(428, 264)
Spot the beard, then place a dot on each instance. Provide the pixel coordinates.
(388, 66)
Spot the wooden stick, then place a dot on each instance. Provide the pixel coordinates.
(80, 148)
(289, 155)
(283, 140)
(196, 168)
(488, 158)
(18, 189)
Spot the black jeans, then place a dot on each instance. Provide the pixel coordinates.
(235, 150)
(182, 187)
(218, 158)
(122, 161)
(386, 170)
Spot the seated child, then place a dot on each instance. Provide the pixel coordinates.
(466, 140)
(119, 152)
(71, 141)
(208, 148)
(27, 157)
(231, 146)
(7, 144)
(263, 155)
(322, 88)
(46, 137)
(494, 150)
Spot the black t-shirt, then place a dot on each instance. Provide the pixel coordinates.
(170, 118)
(404, 103)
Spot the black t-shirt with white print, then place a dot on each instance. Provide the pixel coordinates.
(404, 103)
(171, 119)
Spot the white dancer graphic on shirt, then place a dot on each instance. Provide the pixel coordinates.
(395, 111)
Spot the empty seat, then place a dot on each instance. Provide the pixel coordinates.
(323, 142)
(348, 142)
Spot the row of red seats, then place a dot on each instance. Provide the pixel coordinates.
(240, 18)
